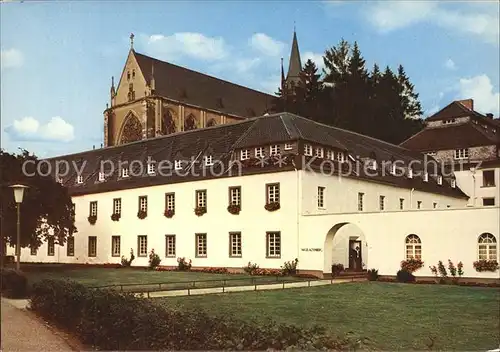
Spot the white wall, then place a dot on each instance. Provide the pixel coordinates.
(471, 183)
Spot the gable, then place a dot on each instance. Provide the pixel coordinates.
(131, 74)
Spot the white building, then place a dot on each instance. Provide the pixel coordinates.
(296, 189)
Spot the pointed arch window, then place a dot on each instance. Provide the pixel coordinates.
(413, 246)
(487, 247)
(190, 123)
(132, 130)
(211, 123)
(168, 123)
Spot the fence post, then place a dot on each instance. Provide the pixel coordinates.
(148, 294)
(283, 284)
(309, 283)
(189, 291)
(121, 288)
(159, 286)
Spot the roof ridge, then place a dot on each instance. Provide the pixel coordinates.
(204, 74)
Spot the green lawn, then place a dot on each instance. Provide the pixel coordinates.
(143, 278)
(383, 315)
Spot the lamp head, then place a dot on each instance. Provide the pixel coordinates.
(18, 192)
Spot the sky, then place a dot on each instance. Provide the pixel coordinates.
(58, 57)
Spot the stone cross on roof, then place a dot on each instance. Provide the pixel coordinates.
(132, 41)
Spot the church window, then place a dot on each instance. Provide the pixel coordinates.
(132, 130)
(128, 75)
(487, 247)
(413, 247)
(211, 123)
(190, 123)
(133, 74)
(168, 123)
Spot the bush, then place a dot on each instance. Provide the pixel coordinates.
(127, 262)
(290, 268)
(154, 260)
(14, 283)
(411, 265)
(183, 264)
(405, 276)
(337, 269)
(251, 268)
(134, 323)
(372, 275)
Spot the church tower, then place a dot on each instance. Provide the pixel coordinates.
(292, 78)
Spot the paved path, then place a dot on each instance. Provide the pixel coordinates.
(24, 332)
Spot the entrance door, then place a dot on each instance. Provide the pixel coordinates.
(355, 260)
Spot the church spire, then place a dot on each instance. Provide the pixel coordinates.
(295, 65)
(152, 83)
(282, 75)
(112, 91)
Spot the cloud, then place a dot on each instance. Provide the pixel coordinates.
(481, 21)
(316, 58)
(450, 64)
(11, 58)
(481, 90)
(266, 45)
(30, 129)
(186, 44)
(271, 84)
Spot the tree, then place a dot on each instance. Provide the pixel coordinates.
(46, 210)
(409, 98)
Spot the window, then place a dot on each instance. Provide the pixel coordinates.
(208, 160)
(321, 197)
(461, 153)
(453, 183)
(401, 203)
(234, 195)
(143, 204)
(128, 75)
(170, 201)
(410, 173)
(487, 247)
(235, 244)
(245, 154)
(488, 201)
(70, 246)
(142, 246)
(432, 153)
(51, 247)
(340, 157)
(201, 199)
(178, 164)
(393, 169)
(489, 178)
(201, 244)
(434, 205)
(170, 246)
(93, 208)
(92, 246)
(413, 247)
(133, 73)
(426, 177)
(33, 249)
(125, 172)
(360, 201)
(319, 152)
(151, 168)
(440, 180)
(115, 246)
(308, 150)
(117, 206)
(259, 152)
(273, 193)
(329, 155)
(79, 179)
(274, 150)
(382, 202)
(273, 242)
(419, 204)
(288, 146)
(101, 177)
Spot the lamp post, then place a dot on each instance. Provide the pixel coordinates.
(18, 197)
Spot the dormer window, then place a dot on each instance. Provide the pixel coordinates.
(410, 173)
(329, 154)
(245, 154)
(340, 156)
(208, 160)
(319, 152)
(431, 153)
(79, 179)
(288, 146)
(461, 153)
(125, 172)
(440, 180)
(178, 164)
(101, 177)
(259, 152)
(393, 169)
(60, 180)
(274, 150)
(373, 165)
(308, 150)
(426, 177)
(453, 183)
(151, 168)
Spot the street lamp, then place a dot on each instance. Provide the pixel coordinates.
(18, 197)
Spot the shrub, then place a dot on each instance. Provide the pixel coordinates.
(127, 262)
(14, 283)
(134, 323)
(405, 276)
(250, 268)
(267, 272)
(372, 275)
(183, 264)
(460, 269)
(411, 265)
(337, 269)
(154, 259)
(290, 268)
(442, 270)
(486, 265)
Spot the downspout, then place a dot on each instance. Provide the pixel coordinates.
(411, 198)
(473, 171)
(298, 208)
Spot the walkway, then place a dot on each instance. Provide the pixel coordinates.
(24, 332)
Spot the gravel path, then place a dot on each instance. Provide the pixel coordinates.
(24, 332)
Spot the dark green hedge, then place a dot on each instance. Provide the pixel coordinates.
(14, 283)
(110, 320)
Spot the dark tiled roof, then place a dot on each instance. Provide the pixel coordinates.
(196, 88)
(454, 109)
(221, 142)
(462, 135)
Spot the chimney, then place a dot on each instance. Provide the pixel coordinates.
(93, 147)
(468, 103)
(489, 115)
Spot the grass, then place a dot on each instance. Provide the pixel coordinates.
(382, 315)
(141, 279)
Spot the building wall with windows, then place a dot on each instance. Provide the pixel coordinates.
(465, 154)
(482, 185)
